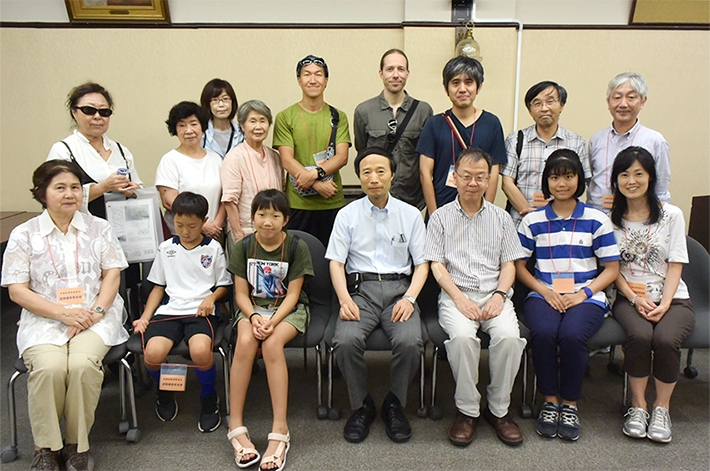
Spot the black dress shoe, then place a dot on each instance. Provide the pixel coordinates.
(358, 425)
(396, 424)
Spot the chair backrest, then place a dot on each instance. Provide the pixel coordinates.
(318, 287)
(696, 275)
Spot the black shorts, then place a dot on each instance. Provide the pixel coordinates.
(178, 328)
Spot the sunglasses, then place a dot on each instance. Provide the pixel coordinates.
(317, 62)
(91, 111)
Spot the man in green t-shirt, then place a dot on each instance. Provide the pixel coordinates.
(310, 154)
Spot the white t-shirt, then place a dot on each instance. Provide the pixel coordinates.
(646, 251)
(189, 276)
(201, 176)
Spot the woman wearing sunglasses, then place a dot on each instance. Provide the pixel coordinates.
(107, 165)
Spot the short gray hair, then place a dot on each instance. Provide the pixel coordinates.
(637, 82)
(253, 105)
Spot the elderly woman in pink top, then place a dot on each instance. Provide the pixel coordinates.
(249, 168)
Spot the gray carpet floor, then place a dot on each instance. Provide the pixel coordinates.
(318, 444)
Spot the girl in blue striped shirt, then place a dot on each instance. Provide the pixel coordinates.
(566, 305)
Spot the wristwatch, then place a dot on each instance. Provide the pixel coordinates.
(411, 299)
(99, 309)
(321, 173)
(502, 293)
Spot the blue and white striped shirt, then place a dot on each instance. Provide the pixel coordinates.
(472, 248)
(570, 245)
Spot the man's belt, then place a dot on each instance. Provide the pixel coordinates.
(382, 277)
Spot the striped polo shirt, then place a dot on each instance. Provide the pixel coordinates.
(570, 245)
(472, 248)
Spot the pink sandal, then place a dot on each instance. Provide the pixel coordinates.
(281, 449)
(240, 449)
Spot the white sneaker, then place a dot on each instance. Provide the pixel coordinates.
(636, 422)
(659, 430)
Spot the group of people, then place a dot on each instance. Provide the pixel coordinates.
(63, 267)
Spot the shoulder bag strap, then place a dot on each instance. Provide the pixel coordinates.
(403, 126)
(123, 154)
(85, 176)
(455, 131)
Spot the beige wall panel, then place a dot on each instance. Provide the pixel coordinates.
(149, 70)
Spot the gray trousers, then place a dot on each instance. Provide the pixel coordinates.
(376, 299)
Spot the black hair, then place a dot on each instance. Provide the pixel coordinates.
(270, 199)
(84, 89)
(374, 151)
(463, 65)
(43, 175)
(473, 154)
(214, 88)
(540, 87)
(311, 59)
(623, 161)
(184, 110)
(393, 51)
(190, 204)
(562, 162)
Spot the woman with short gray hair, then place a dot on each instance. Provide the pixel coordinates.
(249, 168)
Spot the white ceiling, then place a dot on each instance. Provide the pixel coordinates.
(569, 12)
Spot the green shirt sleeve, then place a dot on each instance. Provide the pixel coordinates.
(343, 134)
(283, 131)
(238, 262)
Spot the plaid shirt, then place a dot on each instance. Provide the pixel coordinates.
(527, 170)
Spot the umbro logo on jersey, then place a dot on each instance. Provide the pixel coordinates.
(171, 253)
(206, 260)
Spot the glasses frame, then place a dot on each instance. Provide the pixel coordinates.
(479, 179)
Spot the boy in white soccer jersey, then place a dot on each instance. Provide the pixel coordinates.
(192, 270)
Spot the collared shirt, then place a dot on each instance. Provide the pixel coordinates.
(40, 254)
(472, 247)
(372, 240)
(607, 143)
(92, 163)
(569, 245)
(370, 129)
(244, 174)
(527, 170)
(188, 275)
(439, 143)
(210, 143)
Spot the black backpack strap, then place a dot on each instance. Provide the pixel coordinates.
(334, 121)
(519, 143)
(403, 126)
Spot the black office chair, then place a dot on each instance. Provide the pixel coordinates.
(430, 315)
(320, 300)
(125, 378)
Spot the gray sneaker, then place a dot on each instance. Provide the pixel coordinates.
(44, 460)
(659, 430)
(636, 422)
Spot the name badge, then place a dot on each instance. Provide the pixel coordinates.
(539, 200)
(563, 283)
(69, 292)
(321, 157)
(172, 377)
(450, 178)
(639, 289)
(607, 201)
(265, 313)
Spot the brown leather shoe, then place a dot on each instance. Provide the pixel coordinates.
(463, 429)
(506, 430)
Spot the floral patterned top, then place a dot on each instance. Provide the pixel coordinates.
(39, 253)
(647, 249)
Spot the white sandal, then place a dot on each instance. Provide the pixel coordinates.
(241, 449)
(282, 449)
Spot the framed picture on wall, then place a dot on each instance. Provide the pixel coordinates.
(118, 11)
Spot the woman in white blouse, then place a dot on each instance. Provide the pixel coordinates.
(63, 268)
(91, 106)
(653, 304)
(189, 167)
(249, 168)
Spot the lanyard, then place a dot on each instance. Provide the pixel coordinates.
(648, 248)
(549, 242)
(76, 252)
(606, 154)
(256, 244)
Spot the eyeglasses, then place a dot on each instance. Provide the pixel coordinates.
(221, 99)
(91, 111)
(392, 124)
(537, 104)
(466, 178)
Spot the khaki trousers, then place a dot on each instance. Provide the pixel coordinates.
(64, 381)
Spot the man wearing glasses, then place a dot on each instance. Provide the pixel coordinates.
(461, 127)
(393, 120)
(529, 148)
(313, 138)
(472, 246)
